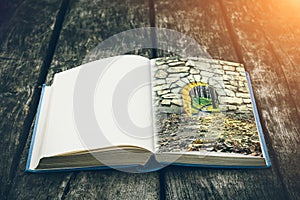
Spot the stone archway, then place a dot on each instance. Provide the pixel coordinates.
(199, 96)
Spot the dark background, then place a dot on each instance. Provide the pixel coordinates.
(40, 38)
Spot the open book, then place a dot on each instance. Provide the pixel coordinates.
(129, 111)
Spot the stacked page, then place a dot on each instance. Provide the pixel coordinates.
(129, 111)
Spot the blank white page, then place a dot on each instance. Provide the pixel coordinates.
(40, 127)
(85, 114)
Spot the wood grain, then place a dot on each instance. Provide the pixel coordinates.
(267, 35)
(91, 22)
(200, 20)
(264, 35)
(206, 23)
(7, 11)
(87, 24)
(23, 40)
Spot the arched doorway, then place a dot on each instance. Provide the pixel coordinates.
(199, 97)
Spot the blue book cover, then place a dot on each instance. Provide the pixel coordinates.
(152, 113)
(205, 114)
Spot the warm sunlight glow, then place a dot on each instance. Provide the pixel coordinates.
(290, 7)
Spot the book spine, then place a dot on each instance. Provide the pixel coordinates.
(260, 131)
(35, 130)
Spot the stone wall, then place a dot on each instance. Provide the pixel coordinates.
(170, 75)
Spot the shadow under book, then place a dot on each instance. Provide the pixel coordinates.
(129, 111)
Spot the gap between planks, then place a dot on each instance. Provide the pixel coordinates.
(37, 91)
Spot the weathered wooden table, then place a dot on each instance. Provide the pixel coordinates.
(40, 38)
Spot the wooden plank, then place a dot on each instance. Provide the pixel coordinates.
(7, 10)
(203, 20)
(86, 25)
(268, 36)
(281, 34)
(23, 41)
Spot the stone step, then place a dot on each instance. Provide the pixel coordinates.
(190, 127)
